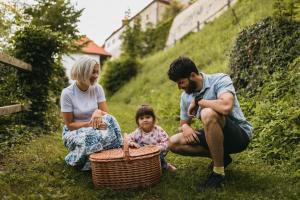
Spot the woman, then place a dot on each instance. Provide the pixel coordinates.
(88, 128)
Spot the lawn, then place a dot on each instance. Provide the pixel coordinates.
(36, 169)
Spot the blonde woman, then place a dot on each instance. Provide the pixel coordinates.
(88, 128)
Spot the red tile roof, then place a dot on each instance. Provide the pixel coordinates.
(90, 47)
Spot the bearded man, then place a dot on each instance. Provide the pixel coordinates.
(213, 100)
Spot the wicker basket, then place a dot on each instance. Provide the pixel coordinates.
(126, 168)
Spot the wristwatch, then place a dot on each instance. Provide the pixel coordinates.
(198, 97)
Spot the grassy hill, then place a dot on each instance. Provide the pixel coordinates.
(37, 170)
(209, 48)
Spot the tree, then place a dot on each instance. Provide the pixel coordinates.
(132, 39)
(172, 10)
(6, 12)
(59, 15)
(47, 31)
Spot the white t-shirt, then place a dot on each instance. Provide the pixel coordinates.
(81, 103)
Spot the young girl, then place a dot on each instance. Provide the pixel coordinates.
(148, 133)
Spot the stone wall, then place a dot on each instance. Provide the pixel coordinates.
(151, 14)
(195, 16)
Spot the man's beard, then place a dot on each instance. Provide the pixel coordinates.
(191, 87)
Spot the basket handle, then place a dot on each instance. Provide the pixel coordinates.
(126, 147)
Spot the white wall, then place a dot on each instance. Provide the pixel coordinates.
(69, 60)
(153, 14)
(113, 44)
(194, 17)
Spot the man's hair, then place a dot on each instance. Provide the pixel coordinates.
(83, 69)
(144, 110)
(181, 67)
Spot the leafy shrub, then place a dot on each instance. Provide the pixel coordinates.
(262, 49)
(286, 8)
(39, 46)
(117, 72)
(154, 38)
(8, 81)
(275, 114)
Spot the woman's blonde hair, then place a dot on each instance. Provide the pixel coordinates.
(83, 69)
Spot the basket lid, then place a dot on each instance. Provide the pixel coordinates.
(119, 154)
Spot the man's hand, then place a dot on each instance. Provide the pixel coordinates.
(192, 110)
(189, 134)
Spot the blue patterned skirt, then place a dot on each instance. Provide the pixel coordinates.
(87, 140)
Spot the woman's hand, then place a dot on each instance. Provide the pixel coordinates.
(96, 120)
(98, 113)
(98, 123)
(134, 145)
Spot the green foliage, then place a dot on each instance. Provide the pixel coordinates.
(263, 48)
(117, 72)
(172, 10)
(39, 46)
(8, 81)
(262, 71)
(44, 33)
(286, 8)
(137, 43)
(154, 38)
(275, 113)
(132, 39)
(5, 24)
(60, 16)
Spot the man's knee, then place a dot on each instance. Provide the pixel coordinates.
(173, 144)
(209, 116)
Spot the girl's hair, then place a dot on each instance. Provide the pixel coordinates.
(83, 69)
(144, 110)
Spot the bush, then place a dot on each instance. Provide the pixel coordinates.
(117, 72)
(265, 66)
(275, 114)
(262, 49)
(154, 38)
(39, 46)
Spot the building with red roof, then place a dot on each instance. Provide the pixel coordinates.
(88, 48)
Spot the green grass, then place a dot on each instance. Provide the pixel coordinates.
(36, 170)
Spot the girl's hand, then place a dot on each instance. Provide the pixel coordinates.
(134, 145)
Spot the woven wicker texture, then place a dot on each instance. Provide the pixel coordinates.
(126, 168)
